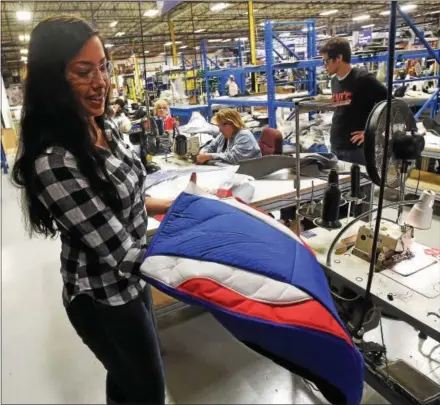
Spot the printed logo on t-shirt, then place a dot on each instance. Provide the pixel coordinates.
(344, 96)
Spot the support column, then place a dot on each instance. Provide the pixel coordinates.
(114, 74)
(252, 43)
(173, 40)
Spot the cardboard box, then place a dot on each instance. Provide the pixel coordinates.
(160, 299)
(284, 89)
(9, 140)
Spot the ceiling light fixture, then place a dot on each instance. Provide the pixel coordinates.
(162, 53)
(328, 12)
(214, 40)
(168, 43)
(408, 7)
(362, 17)
(113, 24)
(109, 45)
(284, 35)
(24, 59)
(183, 47)
(151, 13)
(25, 37)
(119, 34)
(227, 40)
(219, 7)
(199, 30)
(405, 7)
(23, 15)
(146, 52)
(24, 51)
(368, 26)
(433, 12)
(243, 39)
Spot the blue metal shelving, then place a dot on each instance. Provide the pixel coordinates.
(310, 64)
(208, 62)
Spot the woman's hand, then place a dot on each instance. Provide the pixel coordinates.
(203, 157)
(157, 206)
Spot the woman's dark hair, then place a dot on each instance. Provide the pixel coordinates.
(337, 46)
(53, 116)
(122, 104)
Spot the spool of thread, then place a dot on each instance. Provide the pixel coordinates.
(333, 177)
(330, 208)
(355, 191)
(159, 123)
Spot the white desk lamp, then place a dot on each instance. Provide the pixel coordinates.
(420, 216)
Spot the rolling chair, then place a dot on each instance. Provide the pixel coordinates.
(271, 142)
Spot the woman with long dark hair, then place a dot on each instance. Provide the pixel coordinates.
(81, 182)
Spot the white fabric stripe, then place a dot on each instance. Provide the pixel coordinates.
(195, 190)
(174, 271)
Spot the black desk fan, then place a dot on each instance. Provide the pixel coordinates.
(405, 145)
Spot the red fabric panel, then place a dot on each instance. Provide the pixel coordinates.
(309, 314)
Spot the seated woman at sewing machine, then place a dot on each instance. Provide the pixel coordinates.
(162, 110)
(236, 142)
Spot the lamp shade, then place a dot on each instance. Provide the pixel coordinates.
(420, 216)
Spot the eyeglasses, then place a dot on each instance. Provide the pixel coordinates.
(326, 61)
(88, 75)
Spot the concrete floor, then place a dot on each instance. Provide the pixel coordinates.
(43, 361)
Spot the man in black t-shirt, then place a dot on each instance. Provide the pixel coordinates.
(359, 87)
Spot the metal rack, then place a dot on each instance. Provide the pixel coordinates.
(270, 100)
(207, 62)
(310, 64)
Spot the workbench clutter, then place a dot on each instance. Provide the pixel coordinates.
(315, 133)
(223, 256)
(221, 181)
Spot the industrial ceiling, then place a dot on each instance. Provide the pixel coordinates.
(193, 21)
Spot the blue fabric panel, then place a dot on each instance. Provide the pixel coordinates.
(323, 354)
(204, 229)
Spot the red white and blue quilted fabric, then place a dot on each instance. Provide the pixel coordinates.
(261, 282)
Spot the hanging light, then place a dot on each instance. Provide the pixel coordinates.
(328, 12)
(362, 17)
(151, 13)
(219, 7)
(23, 15)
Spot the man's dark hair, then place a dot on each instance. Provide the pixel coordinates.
(337, 46)
(120, 103)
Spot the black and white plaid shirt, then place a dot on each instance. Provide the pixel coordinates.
(101, 250)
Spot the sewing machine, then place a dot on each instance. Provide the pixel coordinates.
(394, 243)
(186, 147)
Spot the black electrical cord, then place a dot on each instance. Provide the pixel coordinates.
(390, 70)
(418, 182)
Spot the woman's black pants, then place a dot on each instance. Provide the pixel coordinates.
(124, 339)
